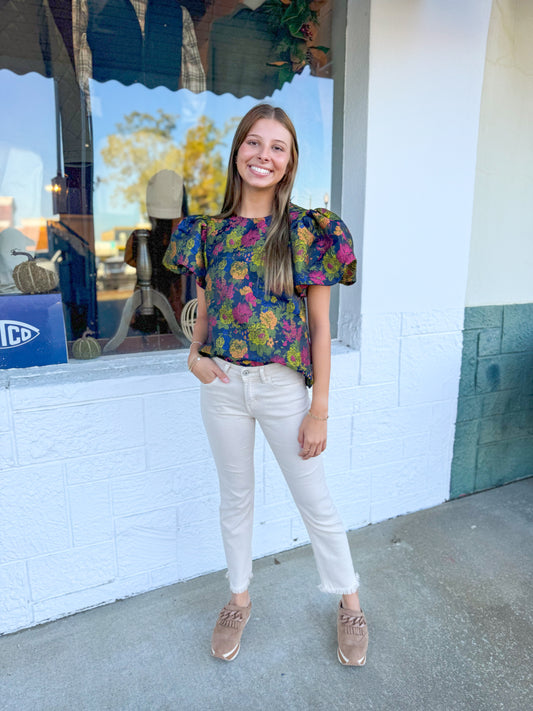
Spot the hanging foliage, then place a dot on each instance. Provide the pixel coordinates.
(296, 23)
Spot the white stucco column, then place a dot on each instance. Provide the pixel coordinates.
(408, 187)
(426, 65)
(501, 255)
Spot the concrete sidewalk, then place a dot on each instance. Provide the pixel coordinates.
(447, 593)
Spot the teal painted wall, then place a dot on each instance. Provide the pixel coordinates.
(494, 430)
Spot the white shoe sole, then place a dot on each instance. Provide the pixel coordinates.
(230, 656)
(346, 662)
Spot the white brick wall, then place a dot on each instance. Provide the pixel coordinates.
(108, 489)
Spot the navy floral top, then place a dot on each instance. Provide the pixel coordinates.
(245, 326)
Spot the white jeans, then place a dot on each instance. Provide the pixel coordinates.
(275, 396)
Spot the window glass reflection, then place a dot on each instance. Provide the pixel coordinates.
(27, 163)
(106, 96)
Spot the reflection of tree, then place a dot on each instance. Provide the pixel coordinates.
(143, 144)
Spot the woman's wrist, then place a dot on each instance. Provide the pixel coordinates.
(318, 409)
(322, 417)
(193, 361)
(194, 352)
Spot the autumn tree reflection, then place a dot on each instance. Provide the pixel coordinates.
(143, 144)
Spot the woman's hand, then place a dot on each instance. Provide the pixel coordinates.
(312, 437)
(205, 369)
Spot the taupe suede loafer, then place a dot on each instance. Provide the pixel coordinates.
(226, 640)
(352, 635)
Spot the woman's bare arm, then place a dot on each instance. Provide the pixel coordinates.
(313, 432)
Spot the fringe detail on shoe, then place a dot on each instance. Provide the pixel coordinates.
(242, 589)
(340, 591)
(353, 624)
(230, 618)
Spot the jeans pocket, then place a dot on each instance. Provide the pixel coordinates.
(224, 365)
(283, 376)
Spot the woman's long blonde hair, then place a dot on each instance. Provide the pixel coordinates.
(277, 254)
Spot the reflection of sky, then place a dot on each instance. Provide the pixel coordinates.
(27, 142)
(29, 124)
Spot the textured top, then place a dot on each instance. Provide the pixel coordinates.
(245, 325)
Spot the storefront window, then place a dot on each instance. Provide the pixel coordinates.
(118, 116)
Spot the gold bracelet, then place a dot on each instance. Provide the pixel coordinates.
(316, 417)
(193, 363)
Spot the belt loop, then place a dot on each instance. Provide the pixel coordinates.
(262, 374)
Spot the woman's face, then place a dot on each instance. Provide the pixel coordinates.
(264, 155)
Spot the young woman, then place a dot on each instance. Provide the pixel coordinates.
(257, 265)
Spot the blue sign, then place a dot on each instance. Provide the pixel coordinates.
(32, 330)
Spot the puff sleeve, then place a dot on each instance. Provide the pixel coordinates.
(186, 250)
(322, 250)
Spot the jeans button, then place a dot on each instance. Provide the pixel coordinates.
(245, 372)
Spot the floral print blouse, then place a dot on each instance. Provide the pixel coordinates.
(245, 326)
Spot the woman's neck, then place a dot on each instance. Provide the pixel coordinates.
(255, 205)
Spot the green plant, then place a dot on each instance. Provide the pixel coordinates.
(297, 24)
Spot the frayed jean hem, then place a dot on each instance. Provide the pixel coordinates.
(340, 591)
(240, 588)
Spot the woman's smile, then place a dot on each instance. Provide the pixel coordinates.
(259, 171)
